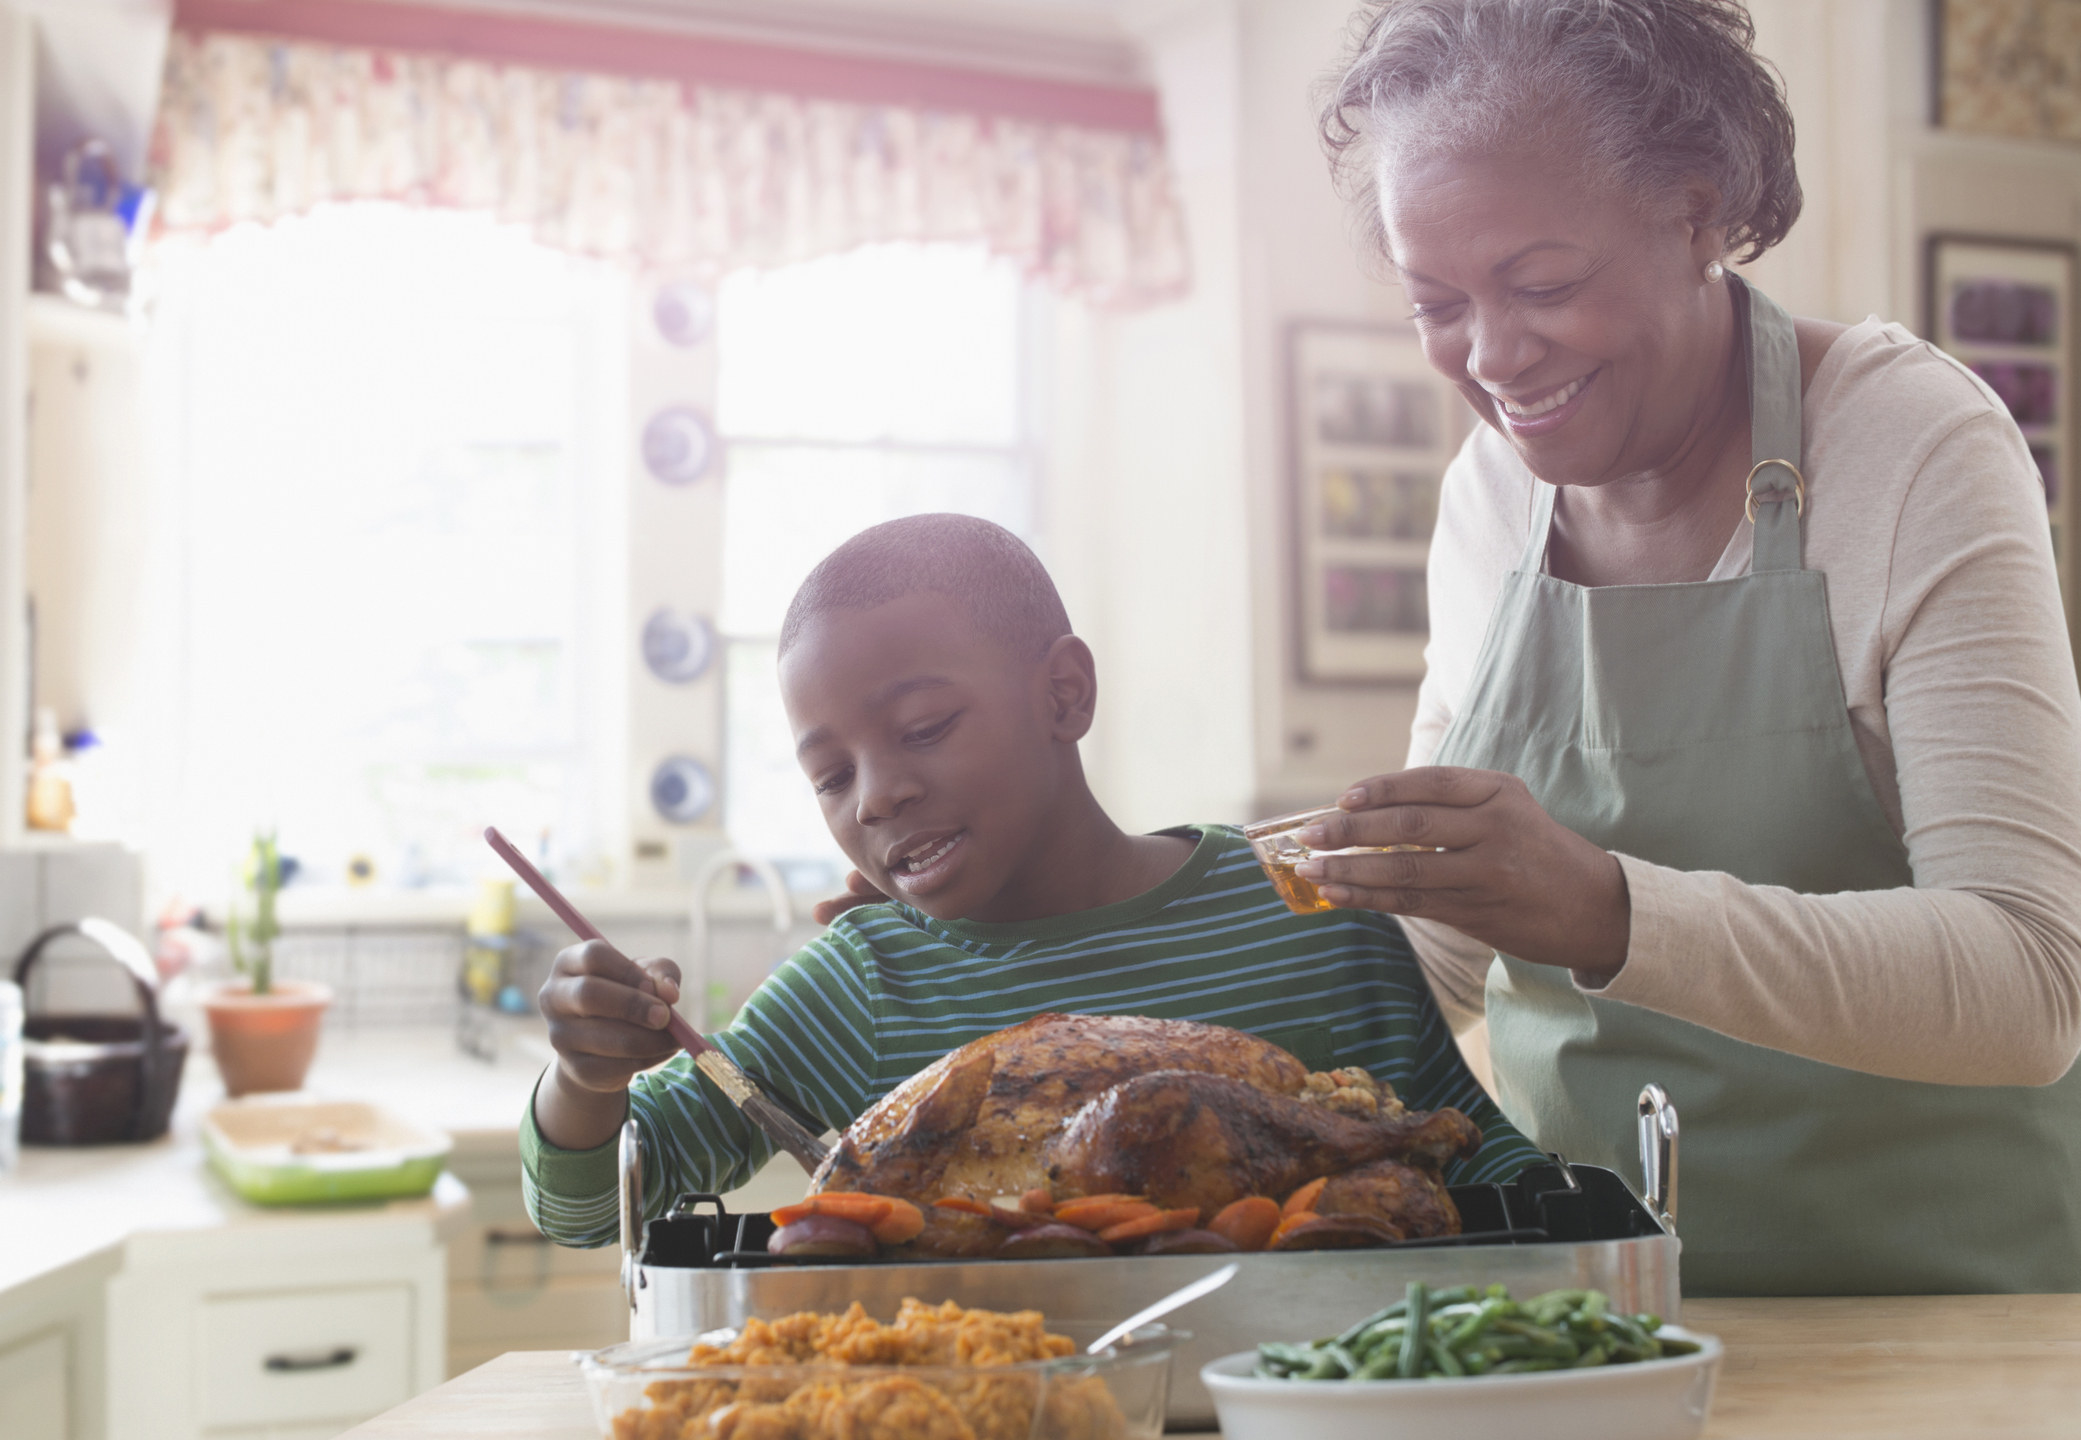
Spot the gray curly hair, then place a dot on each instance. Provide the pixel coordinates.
(1659, 93)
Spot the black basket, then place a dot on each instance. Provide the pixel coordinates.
(1555, 1204)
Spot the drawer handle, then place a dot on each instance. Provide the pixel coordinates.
(299, 1361)
(515, 1237)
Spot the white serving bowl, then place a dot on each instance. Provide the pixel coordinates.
(1653, 1400)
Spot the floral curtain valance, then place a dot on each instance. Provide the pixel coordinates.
(655, 171)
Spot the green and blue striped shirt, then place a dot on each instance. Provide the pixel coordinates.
(887, 990)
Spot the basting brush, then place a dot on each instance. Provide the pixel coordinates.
(769, 1114)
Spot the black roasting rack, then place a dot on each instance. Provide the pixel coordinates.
(1556, 1203)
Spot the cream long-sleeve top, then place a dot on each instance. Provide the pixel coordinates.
(1926, 515)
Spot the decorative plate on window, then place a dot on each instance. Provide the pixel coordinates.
(679, 445)
(684, 312)
(678, 648)
(681, 789)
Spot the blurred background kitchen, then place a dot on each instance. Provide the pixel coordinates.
(417, 416)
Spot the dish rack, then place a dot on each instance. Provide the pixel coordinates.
(699, 1268)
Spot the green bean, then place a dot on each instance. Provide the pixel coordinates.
(1387, 1332)
(1327, 1365)
(1521, 1367)
(1412, 1339)
(1287, 1359)
(1442, 1357)
(1595, 1355)
(1378, 1317)
(1385, 1363)
(1547, 1309)
(1477, 1324)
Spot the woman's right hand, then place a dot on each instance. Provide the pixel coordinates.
(607, 1016)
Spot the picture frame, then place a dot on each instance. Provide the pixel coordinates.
(2004, 69)
(1372, 428)
(2004, 307)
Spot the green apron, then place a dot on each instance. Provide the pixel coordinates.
(1703, 727)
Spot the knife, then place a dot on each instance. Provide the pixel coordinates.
(770, 1115)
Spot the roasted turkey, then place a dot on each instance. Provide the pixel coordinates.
(1186, 1115)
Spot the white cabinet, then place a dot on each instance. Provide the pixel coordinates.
(291, 1325)
(33, 1401)
(509, 1286)
(51, 1352)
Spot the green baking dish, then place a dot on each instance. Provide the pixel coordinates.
(297, 1150)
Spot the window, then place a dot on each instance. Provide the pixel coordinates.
(880, 383)
(397, 464)
(400, 446)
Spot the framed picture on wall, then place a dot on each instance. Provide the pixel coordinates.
(1373, 427)
(2006, 309)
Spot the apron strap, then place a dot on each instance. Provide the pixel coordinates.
(1534, 558)
(1777, 489)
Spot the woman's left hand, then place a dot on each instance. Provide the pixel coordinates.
(1493, 865)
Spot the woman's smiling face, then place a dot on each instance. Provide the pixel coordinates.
(1580, 328)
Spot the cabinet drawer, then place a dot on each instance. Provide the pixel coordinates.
(566, 1314)
(305, 1355)
(512, 1256)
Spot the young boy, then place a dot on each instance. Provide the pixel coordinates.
(937, 697)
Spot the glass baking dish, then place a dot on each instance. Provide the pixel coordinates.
(646, 1390)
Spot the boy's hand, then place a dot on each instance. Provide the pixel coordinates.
(607, 1016)
(858, 891)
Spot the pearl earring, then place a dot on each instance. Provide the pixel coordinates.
(1715, 272)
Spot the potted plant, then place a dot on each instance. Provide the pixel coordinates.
(263, 1031)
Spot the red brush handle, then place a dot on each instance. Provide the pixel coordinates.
(683, 1033)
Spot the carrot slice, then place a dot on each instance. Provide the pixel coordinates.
(868, 1210)
(1099, 1200)
(962, 1203)
(1293, 1221)
(1247, 1223)
(1155, 1224)
(1099, 1212)
(1038, 1202)
(1304, 1198)
(902, 1223)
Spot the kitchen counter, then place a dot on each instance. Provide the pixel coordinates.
(1944, 1367)
(64, 1204)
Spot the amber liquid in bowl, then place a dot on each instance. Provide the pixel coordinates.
(1279, 849)
(1300, 895)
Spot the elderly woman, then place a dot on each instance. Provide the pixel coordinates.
(1748, 760)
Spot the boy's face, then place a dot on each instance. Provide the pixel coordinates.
(935, 750)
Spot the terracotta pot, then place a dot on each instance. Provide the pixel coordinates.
(265, 1042)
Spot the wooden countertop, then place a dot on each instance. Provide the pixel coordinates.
(1944, 1367)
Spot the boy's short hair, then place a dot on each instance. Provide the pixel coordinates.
(985, 566)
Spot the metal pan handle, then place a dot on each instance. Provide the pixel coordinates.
(631, 1172)
(1658, 1155)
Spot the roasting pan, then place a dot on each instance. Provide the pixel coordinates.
(699, 1268)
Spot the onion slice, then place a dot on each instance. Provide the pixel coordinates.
(823, 1237)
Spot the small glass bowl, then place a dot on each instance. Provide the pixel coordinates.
(1277, 843)
(646, 1390)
